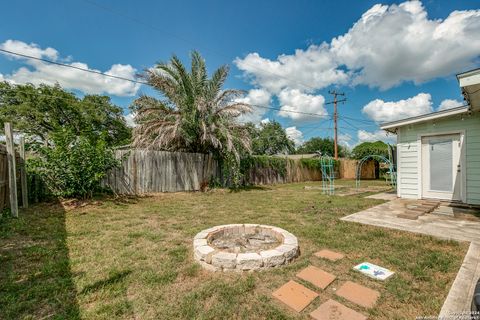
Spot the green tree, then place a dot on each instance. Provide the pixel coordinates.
(370, 148)
(271, 139)
(72, 165)
(43, 110)
(323, 145)
(195, 114)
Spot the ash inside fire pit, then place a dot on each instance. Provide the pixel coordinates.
(244, 247)
(239, 243)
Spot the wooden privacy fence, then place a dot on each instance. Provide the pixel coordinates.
(295, 172)
(149, 171)
(4, 198)
(146, 171)
(348, 169)
(12, 173)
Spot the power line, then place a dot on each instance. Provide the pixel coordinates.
(350, 124)
(360, 120)
(291, 111)
(362, 124)
(153, 27)
(73, 67)
(137, 81)
(265, 107)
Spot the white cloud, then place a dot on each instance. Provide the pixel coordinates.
(130, 120)
(265, 121)
(37, 72)
(31, 49)
(382, 111)
(306, 70)
(295, 135)
(345, 139)
(449, 104)
(396, 43)
(258, 98)
(379, 135)
(388, 45)
(295, 100)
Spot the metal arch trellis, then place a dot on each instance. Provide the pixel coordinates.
(379, 158)
(327, 165)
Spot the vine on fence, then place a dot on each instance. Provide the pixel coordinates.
(315, 163)
(268, 162)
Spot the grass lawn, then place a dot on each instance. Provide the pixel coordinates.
(132, 258)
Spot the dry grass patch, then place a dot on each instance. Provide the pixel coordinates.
(132, 258)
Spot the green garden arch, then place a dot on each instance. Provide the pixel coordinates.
(379, 158)
(327, 166)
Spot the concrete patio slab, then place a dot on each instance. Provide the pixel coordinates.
(329, 255)
(385, 215)
(384, 196)
(358, 294)
(316, 276)
(295, 296)
(442, 226)
(337, 311)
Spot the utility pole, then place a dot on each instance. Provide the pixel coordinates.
(335, 116)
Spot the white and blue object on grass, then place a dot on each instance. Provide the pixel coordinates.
(374, 271)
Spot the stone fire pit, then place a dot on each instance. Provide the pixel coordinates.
(244, 247)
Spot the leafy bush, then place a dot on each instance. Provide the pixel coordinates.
(270, 138)
(73, 166)
(323, 145)
(370, 148)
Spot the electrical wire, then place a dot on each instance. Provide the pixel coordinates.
(153, 27)
(258, 106)
(73, 67)
(358, 120)
(139, 82)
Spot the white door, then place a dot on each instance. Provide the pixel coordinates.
(441, 167)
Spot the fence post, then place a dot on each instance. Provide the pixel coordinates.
(12, 171)
(23, 172)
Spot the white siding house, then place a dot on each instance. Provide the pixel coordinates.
(438, 154)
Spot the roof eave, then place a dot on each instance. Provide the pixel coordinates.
(394, 125)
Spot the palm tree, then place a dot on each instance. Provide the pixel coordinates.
(195, 114)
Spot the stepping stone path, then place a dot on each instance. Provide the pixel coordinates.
(358, 294)
(337, 311)
(298, 297)
(295, 295)
(330, 255)
(316, 276)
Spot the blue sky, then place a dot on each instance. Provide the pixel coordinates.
(392, 59)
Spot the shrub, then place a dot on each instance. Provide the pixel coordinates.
(73, 166)
(370, 148)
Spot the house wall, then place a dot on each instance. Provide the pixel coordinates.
(409, 145)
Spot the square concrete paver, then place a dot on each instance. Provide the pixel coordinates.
(336, 311)
(316, 276)
(358, 294)
(295, 295)
(328, 254)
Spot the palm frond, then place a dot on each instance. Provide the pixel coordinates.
(196, 115)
